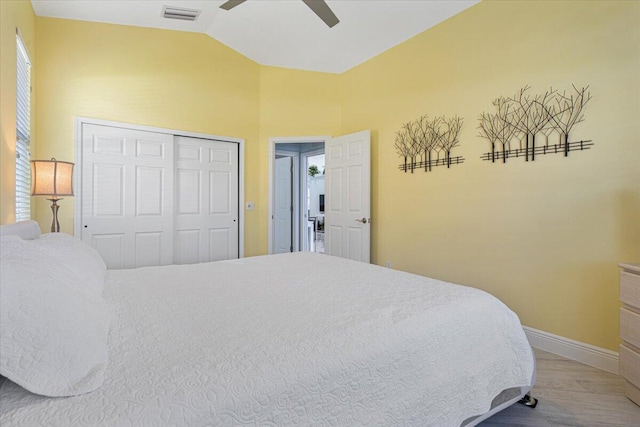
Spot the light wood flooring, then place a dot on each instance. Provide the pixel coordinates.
(571, 394)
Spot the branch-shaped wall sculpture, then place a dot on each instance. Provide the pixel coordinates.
(523, 118)
(427, 143)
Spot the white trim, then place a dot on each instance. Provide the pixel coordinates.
(77, 159)
(79, 121)
(272, 152)
(175, 132)
(241, 198)
(588, 354)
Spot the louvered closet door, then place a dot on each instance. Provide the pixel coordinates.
(206, 200)
(127, 195)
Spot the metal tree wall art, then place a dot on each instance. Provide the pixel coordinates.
(517, 123)
(425, 143)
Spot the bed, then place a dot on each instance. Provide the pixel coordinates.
(291, 339)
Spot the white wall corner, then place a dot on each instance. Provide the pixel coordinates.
(588, 354)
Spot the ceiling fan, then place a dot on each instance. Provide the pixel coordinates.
(319, 7)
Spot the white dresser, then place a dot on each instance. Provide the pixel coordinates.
(630, 329)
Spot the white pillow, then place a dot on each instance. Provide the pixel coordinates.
(73, 253)
(53, 328)
(27, 230)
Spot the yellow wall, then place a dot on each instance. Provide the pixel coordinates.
(169, 79)
(13, 14)
(293, 103)
(544, 236)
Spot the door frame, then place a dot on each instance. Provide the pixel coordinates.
(77, 203)
(272, 153)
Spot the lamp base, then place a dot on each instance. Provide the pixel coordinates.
(55, 225)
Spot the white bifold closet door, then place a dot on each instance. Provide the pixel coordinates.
(151, 198)
(206, 204)
(127, 195)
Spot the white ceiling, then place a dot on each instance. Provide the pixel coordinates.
(283, 33)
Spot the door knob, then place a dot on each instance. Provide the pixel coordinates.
(363, 220)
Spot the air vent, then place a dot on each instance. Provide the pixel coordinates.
(171, 12)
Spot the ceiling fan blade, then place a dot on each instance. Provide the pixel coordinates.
(323, 11)
(231, 4)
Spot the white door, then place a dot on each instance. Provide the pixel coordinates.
(348, 193)
(283, 209)
(206, 200)
(127, 187)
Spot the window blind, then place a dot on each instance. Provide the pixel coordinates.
(23, 133)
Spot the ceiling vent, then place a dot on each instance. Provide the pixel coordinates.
(171, 12)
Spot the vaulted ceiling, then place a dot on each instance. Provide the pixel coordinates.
(283, 33)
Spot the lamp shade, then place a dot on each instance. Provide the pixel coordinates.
(51, 178)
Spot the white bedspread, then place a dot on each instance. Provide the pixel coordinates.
(294, 339)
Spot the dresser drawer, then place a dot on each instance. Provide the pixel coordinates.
(630, 326)
(630, 289)
(630, 365)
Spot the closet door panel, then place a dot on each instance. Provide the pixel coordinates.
(219, 193)
(208, 203)
(219, 244)
(148, 249)
(108, 195)
(149, 185)
(188, 191)
(111, 248)
(127, 188)
(187, 246)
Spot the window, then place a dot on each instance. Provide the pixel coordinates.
(23, 133)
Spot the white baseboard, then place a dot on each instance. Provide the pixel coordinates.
(588, 354)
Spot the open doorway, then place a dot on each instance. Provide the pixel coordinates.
(296, 205)
(347, 216)
(314, 165)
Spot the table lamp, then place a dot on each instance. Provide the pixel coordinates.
(52, 178)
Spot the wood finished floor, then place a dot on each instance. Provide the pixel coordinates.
(571, 394)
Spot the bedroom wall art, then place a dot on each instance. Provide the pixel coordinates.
(519, 123)
(425, 143)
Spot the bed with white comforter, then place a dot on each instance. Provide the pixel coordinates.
(292, 339)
